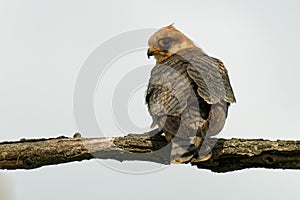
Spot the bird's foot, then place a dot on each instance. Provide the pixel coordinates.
(202, 158)
(182, 159)
(204, 152)
(182, 151)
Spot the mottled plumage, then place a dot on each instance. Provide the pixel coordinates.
(188, 93)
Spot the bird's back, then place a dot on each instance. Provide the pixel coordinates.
(172, 99)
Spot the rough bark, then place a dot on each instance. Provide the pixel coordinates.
(228, 154)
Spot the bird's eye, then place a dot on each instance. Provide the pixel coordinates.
(165, 43)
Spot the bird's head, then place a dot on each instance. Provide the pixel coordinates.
(166, 42)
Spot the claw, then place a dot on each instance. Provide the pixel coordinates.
(202, 158)
(182, 160)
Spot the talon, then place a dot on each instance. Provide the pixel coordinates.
(202, 158)
(182, 160)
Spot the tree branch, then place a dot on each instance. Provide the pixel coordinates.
(228, 154)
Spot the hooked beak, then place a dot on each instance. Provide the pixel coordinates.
(149, 53)
(152, 51)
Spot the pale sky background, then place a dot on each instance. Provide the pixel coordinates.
(44, 43)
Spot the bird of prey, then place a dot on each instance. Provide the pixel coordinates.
(188, 94)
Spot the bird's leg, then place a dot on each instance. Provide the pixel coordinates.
(212, 126)
(168, 136)
(182, 150)
(177, 150)
(204, 150)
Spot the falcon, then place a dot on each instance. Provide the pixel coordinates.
(188, 94)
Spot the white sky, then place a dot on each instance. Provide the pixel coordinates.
(43, 45)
